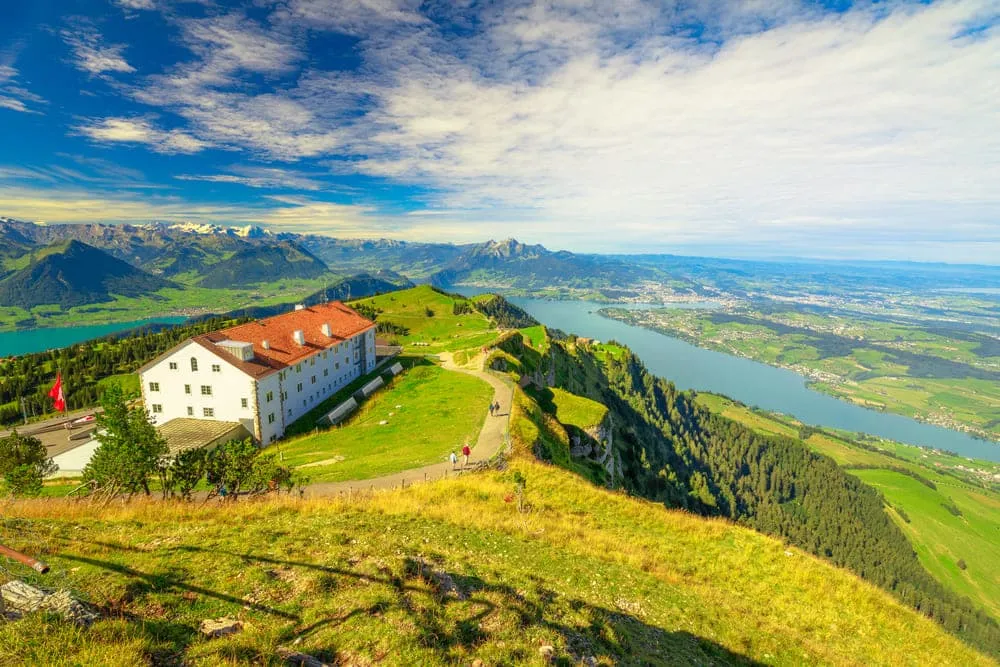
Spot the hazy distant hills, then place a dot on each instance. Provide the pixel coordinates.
(71, 273)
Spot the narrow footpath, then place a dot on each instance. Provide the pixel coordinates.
(491, 439)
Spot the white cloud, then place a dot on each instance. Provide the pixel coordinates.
(136, 4)
(259, 177)
(91, 54)
(767, 121)
(140, 131)
(13, 96)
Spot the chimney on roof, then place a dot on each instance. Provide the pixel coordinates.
(299, 336)
(299, 306)
(266, 344)
(326, 330)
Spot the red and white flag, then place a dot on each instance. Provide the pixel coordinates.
(56, 394)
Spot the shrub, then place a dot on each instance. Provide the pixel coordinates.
(24, 463)
(961, 564)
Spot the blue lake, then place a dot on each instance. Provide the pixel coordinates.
(39, 340)
(753, 383)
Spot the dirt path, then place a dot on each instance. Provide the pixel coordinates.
(491, 439)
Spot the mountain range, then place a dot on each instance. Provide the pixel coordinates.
(213, 257)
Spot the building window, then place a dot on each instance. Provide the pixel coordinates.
(313, 379)
(190, 411)
(187, 389)
(157, 408)
(206, 390)
(298, 368)
(303, 402)
(312, 362)
(326, 371)
(216, 368)
(324, 354)
(270, 418)
(268, 397)
(289, 412)
(274, 436)
(338, 365)
(299, 387)
(208, 412)
(194, 364)
(173, 365)
(154, 386)
(243, 403)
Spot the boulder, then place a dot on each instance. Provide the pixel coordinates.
(219, 627)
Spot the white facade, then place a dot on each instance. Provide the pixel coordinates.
(203, 380)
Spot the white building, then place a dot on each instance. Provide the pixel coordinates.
(264, 374)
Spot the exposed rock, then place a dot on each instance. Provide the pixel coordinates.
(293, 657)
(442, 581)
(21, 598)
(547, 653)
(219, 627)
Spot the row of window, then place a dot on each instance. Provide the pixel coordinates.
(206, 412)
(206, 389)
(216, 368)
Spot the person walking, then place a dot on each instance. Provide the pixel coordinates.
(466, 451)
(454, 459)
(492, 405)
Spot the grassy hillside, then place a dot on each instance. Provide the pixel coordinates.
(449, 572)
(428, 412)
(427, 319)
(940, 537)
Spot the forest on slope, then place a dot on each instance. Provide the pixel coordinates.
(666, 447)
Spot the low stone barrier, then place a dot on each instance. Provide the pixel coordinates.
(396, 368)
(337, 415)
(370, 388)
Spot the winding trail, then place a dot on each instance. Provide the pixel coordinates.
(491, 439)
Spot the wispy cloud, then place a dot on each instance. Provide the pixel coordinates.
(91, 55)
(766, 122)
(12, 95)
(140, 131)
(136, 4)
(259, 177)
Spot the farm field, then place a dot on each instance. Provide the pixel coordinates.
(191, 300)
(940, 537)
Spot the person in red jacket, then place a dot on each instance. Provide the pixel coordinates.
(466, 451)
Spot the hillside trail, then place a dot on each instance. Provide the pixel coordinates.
(491, 439)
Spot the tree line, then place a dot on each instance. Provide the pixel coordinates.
(84, 365)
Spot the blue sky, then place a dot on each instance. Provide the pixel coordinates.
(758, 128)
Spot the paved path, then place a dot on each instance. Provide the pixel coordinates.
(491, 440)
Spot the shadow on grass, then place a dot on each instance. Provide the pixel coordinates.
(453, 626)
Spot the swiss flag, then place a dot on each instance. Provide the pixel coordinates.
(56, 394)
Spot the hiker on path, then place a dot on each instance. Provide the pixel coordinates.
(466, 452)
(496, 408)
(492, 407)
(454, 459)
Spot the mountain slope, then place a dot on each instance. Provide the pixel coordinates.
(448, 573)
(264, 263)
(73, 274)
(512, 264)
(660, 444)
(414, 260)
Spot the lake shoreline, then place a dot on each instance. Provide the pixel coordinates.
(812, 382)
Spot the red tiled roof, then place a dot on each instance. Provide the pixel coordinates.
(344, 323)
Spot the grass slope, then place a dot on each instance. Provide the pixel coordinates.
(586, 571)
(429, 317)
(939, 537)
(428, 412)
